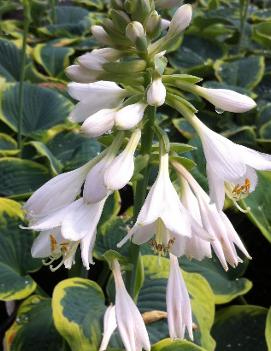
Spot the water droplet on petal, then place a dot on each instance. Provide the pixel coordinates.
(219, 111)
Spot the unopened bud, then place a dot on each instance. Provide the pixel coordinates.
(100, 35)
(153, 25)
(181, 19)
(136, 34)
(156, 93)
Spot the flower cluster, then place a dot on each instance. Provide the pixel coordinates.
(118, 89)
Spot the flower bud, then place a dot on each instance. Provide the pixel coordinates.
(153, 25)
(121, 169)
(129, 116)
(180, 20)
(81, 74)
(227, 100)
(100, 35)
(96, 58)
(156, 93)
(134, 31)
(99, 123)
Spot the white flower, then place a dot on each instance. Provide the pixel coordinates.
(57, 192)
(95, 59)
(229, 164)
(76, 222)
(178, 303)
(129, 116)
(181, 20)
(81, 74)
(193, 247)
(94, 97)
(110, 324)
(10, 307)
(121, 169)
(156, 93)
(164, 215)
(134, 31)
(129, 320)
(216, 223)
(100, 35)
(227, 100)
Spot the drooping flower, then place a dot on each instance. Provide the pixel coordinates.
(216, 223)
(129, 320)
(94, 97)
(230, 167)
(109, 325)
(226, 100)
(121, 169)
(178, 303)
(164, 215)
(156, 93)
(58, 191)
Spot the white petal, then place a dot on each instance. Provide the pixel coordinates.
(94, 188)
(41, 246)
(255, 159)
(109, 325)
(87, 244)
(129, 116)
(216, 188)
(57, 192)
(99, 123)
(142, 234)
(81, 220)
(80, 74)
(97, 57)
(227, 100)
(100, 35)
(121, 169)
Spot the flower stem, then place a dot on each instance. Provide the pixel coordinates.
(27, 20)
(140, 194)
(243, 17)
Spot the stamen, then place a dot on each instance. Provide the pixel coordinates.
(241, 190)
(47, 263)
(240, 208)
(53, 269)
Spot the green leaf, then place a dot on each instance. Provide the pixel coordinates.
(226, 286)
(42, 108)
(33, 328)
(196, 54)
(72, 149)
(52, 58)
(268, 330)
(180, 345)
(8, 145)
(43, 151)
(78, 308)
(70, 20)
(152, 297)
(15, 254)
(21, 177)
(262, 34)
(240, 328)
(259, 203)
(246, 72)
(10, 59)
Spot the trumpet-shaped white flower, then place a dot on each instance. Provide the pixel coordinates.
(95, 59)
(77, 222)
(81, 74)
(180, 20)
(129, 116)
(156, 93)
(57, 192)
(121, 169)
(229, 164)
(100, 35)
(164, 215)
(129, 320)
(227, 100)
(94, 97)
(178, 303)
(193, 247)
(216, 223)
(110, 324)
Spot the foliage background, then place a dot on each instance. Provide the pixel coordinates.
(229, 308)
